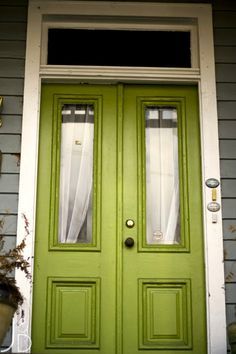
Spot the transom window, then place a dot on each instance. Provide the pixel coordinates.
(105, 47)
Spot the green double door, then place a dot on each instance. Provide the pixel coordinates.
(119, 263)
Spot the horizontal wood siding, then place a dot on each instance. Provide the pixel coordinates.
(13, 20)
(225, 56)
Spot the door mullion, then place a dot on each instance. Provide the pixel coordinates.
(119, 253)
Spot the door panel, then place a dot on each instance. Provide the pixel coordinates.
(165, 282)
(102, 295)
(75, 282)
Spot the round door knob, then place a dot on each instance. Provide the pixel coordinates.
(129, 242)
(129, 223)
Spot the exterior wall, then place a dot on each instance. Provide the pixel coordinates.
(13, 17)
(225, 56)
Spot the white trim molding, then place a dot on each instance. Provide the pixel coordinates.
(198, 19)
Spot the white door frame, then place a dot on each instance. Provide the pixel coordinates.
(202, 72)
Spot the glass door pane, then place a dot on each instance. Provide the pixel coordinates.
(162, 176)
(76, 174)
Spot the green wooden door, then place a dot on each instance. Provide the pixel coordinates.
(94, 290)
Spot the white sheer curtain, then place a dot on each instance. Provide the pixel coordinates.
(76, 174)
(162, 182)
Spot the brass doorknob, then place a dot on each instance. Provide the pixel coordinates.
(129, 242)
(129, 223)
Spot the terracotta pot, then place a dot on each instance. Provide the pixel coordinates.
(7, 310)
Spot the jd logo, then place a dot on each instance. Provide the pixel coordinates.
(23, 344)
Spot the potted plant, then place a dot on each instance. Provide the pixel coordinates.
(10, 296)
(232, 337)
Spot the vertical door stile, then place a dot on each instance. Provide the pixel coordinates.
(119, 252)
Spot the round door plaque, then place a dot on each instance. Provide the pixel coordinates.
(213, 206)
(212, 182)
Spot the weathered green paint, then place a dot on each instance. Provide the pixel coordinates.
(148, 298)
